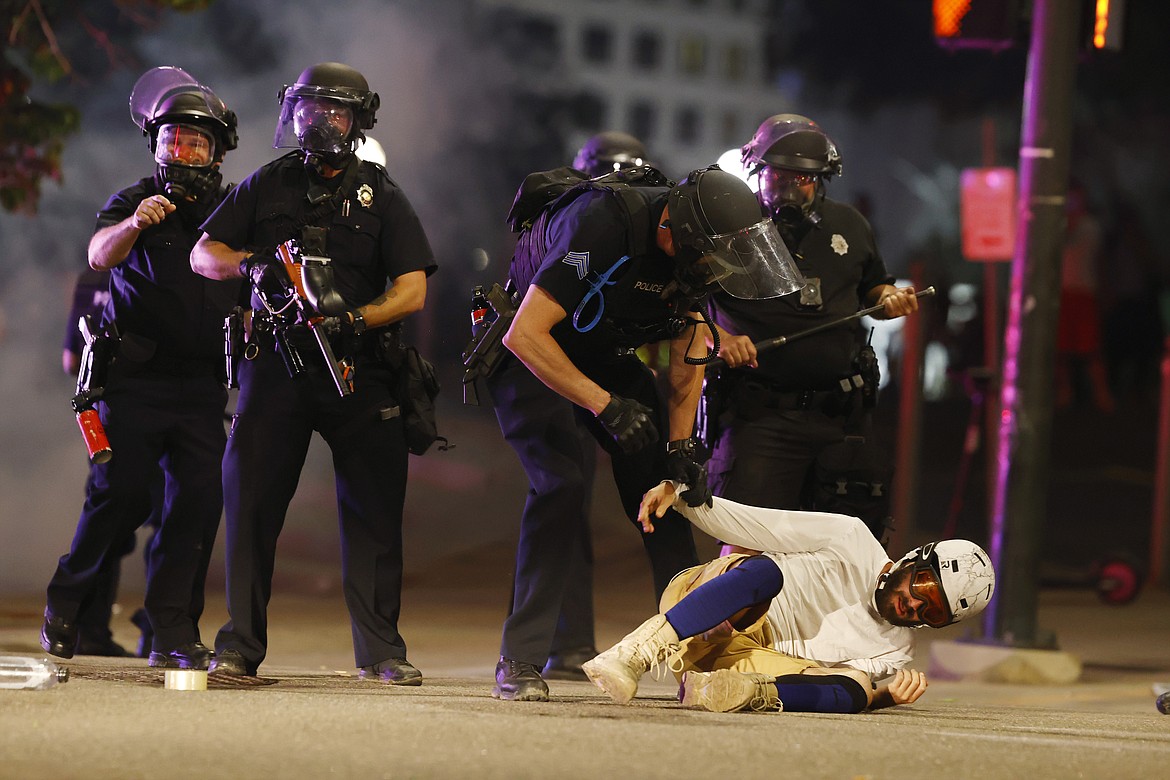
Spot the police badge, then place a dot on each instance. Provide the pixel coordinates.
(839, 244)
(365, 195)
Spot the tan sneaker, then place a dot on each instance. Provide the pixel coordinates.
(618, 669)
(726, 690)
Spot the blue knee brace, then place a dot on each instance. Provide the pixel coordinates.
(755, 581)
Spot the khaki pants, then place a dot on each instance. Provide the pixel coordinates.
(747, 650)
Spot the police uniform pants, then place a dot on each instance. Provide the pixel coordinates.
(767, 461)
(93, 622)
(543, 428)
(275, 419)
(151, 420)
(749, 649)
(575, 626)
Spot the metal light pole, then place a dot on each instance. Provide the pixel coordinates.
(1022, 463)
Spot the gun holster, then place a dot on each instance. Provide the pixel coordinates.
(233, 345)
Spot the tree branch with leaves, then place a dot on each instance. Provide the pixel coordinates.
(44, 40)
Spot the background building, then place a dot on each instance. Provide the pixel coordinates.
(688, 77)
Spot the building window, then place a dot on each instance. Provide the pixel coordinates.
(530, 39)
(692, 54)
(729, 129)
(589, 112)
(734, 62)
(643, 120)
(597, 43)
(689, 125)
(647, 51)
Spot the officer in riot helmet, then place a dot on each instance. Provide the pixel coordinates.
(615, 267)
(793, 160)
(190, 130)
(574, 642)
(324, 113)
(333, 369)
(163, 401)
(790, 427)
(609, 151)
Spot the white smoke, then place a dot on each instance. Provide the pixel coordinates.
(438, 86)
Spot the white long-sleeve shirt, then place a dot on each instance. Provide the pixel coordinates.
(825, 611)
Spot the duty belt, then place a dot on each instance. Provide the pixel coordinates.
(751, 397)
(789, 400)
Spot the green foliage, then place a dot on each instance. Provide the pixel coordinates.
(50, 41)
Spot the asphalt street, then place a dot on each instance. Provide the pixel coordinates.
(115, 719)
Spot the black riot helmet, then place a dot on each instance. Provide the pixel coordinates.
(325, 112)
(721, 237)
(793, 158)
(189, 127)
(610, 151)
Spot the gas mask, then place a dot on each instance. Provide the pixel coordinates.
(184, 156)
(321, 127)
(790, 197)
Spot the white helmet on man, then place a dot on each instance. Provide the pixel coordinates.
(960, 569)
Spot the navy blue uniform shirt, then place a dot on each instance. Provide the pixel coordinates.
(155, 294)
(589, 268)
(374, 234)
(841, 253)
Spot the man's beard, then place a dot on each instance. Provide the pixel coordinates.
(886, 598)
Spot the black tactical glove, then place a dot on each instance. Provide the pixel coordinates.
(252, 266)
(684, 463)
(629, 423)
(344, 325)
(267, 276)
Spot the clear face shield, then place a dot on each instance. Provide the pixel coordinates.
(184, 144)
(314, 119)
(751, 264)
(155, 90)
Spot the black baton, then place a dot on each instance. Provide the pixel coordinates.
(767, 344)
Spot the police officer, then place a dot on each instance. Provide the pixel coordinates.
(606, 278)
(380, 260)
(91, 293)
(794, 406)
(164, 397)
(574, 643)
